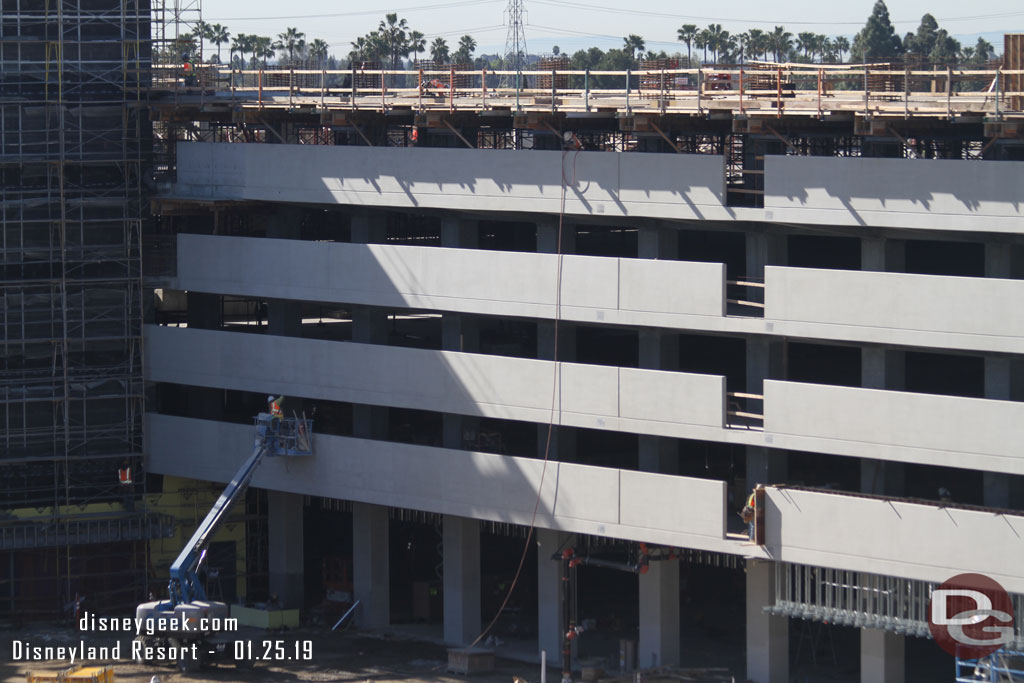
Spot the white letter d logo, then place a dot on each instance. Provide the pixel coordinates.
(983, 607)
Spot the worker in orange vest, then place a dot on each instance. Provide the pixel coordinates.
(276, 414)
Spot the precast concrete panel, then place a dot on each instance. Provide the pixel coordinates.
(929, 542)
(909, 193)
(444, 381)
(927, 303)
(943, 428)
(470, 280)
(684, 186)
(672, 397)
(572, 497)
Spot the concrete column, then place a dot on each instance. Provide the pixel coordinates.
(658, 351)
(371, 575)
(459, 333)
(764, 249)
(285, 222)
(459, 232)
(882, 368)
(883, 255)
(204, 311)
(765, 360)
(767, 636)
(998, 382)
(370, 325)
(461, 550)
(563, 439)
(285, 537)
(547, 237)
(881, 657)
(284, 318)
(549, 600)
(368, 227)
(659, 615)
(658, 243)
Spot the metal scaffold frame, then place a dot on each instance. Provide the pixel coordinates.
(74, 135)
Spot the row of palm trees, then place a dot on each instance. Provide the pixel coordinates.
(779, 43)
(394, 40)
(291, 43)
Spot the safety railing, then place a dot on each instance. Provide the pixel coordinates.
(286, 435)
(757, 88)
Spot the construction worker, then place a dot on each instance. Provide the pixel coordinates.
(749, 513)
(276, 414)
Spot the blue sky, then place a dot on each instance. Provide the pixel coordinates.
(573, 24)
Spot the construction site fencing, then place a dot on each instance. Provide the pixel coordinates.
(751, 88)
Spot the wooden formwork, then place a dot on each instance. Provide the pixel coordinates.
(1013, 60)
(553, 64)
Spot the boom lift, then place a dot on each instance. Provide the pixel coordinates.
(187, 626)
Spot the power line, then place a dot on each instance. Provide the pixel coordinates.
(444, 5)
(568, 4)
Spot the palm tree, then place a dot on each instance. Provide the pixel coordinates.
(439, 51)
(239, 44)
(703, 42)
(464, 55)
(417, 43)
(219, 35)
(805, 42)
(687, 33)
(266, 48)
(842, 46)
(782, 42)
(291, 40)
(632, 44)
(202, 32)
(393, 33)
(756, 40)
(743, 43)
(714, 42)
(318, 50)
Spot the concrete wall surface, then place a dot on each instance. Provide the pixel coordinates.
(978, 311)
(938, 429)
(639, 506)
(916, 541)
(681, 186)
(591, 396)
(908, 193)
(464, 280)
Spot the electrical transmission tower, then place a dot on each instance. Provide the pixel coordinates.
(515, 42)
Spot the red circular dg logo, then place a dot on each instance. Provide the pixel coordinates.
(971, 616)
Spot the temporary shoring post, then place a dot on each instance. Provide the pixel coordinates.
(354, 91)
(419, 87)
(451, 90)
(483, 89)
(778, 93)
(999, 73)
(741, 90)
(518, 76)
(949, 91)
(906, 93)
(586, 89)
(700, 88)
(553, 78)
(259, 77)
(866, 111)
(628, 74)
(820, 73)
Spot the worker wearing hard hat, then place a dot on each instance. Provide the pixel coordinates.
(276, 414)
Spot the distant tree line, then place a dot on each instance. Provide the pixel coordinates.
(395, 45)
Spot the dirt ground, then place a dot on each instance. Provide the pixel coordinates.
(355, 658)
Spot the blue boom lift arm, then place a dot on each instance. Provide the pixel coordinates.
(275, 437)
